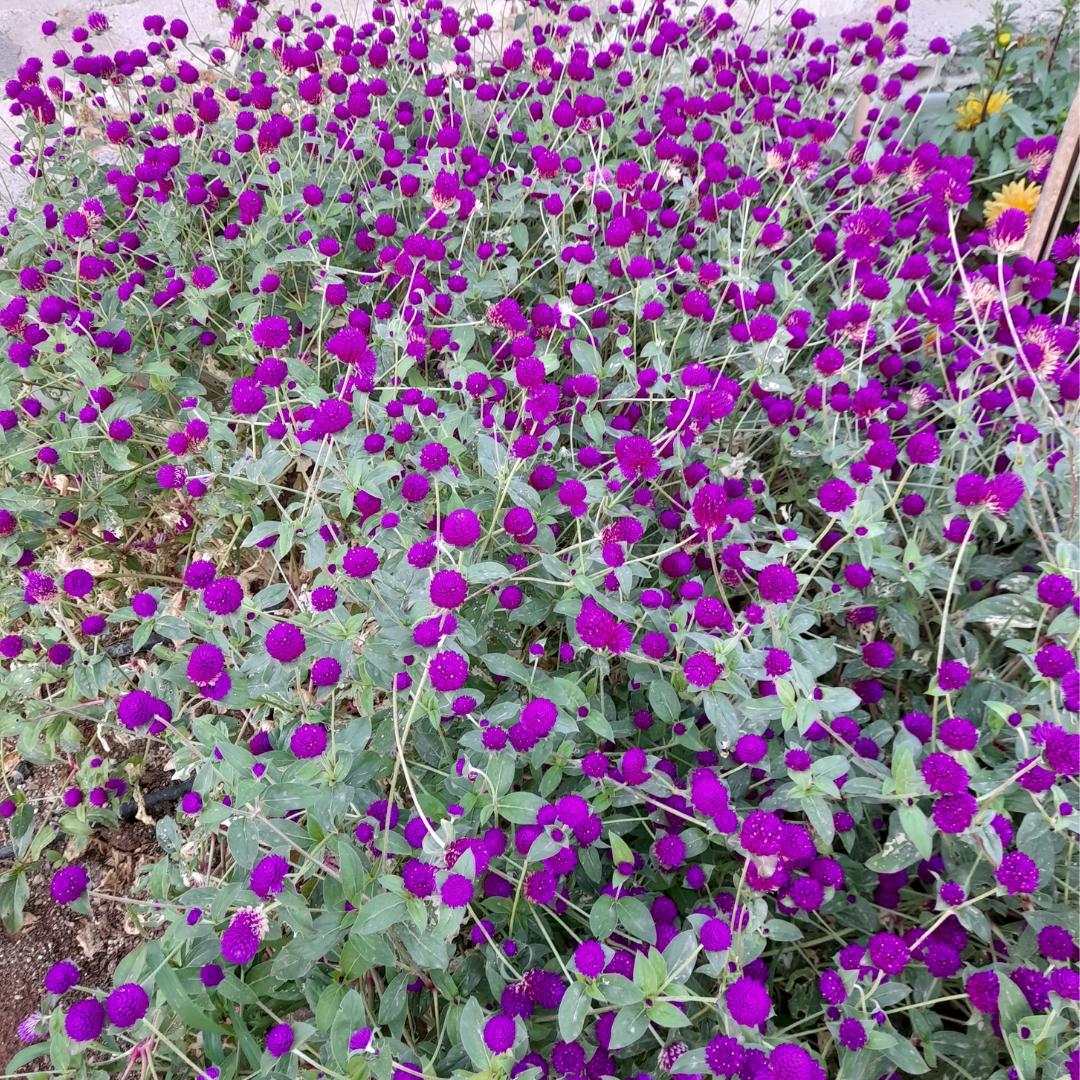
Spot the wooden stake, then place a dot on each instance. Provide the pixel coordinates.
(1058, 189)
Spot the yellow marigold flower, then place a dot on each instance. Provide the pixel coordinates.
(1019, 195)
(1004, 39)
(972, 111)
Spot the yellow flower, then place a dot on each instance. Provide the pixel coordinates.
(1004, 39)
(1019, 195)
(977, 107)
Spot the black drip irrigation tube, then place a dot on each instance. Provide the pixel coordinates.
(129, 808)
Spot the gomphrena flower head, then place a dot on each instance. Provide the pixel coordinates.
(61, 977)
(268, 876)
(777, 584)
(285, 642)
(748, 1002)
(127, 1005)
(29, 1029)
(499, 1034)
(279, 1040)
(69, 883)
(243, 936)
(85, 1020)
(1018, 873)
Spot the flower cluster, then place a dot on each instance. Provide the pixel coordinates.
(588, 513)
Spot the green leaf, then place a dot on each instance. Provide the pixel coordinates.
(484, 573)
(470, 1025)
(584, 352)
(618, 989)
(781, 930)
(631, 1022)
(168, 985)
(302, 953)
(573, 1010)
(917, 827)
(25, 1056)
(634, 915)
(520, 807)
(603, 917)
(351, 1014)
(380, 913)
(679, 956)
(507, 667)
(650, 972)
(897, 854)
(664, 701)
(665, 1014)
(905, 1057)
(821, 818)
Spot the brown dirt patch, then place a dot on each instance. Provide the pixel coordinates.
(94, 944)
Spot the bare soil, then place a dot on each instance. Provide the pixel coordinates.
(94, 943)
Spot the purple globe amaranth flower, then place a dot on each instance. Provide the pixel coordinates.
(836, 496)
(448, 671)
(589, 959)
(61, 977)
(211, 975)
(285, 642)
(205, 663)
(243, 936)
(1018, 873)
(715, 935)
(29, 1029)
(636, 457)
(279, 1040)
(360, 1040)
(889, 953)
(461, 528)
(777, 584)
(138, 708)
(953, 675)
(78, 583)
(725, 1056)
(144, 605)
(791, 1060)
(223, 596)
(1055, 590)
(308, 741)
(456, 891)
(69, 883)
(85, 1020)
(701, 670)
(326, 671)
(1009, 231)
(748, 1002)
(268, 876)
(1054, 661)
(127, 1005)
(272, 332)
(418, 878)
(247, 397)
(944, 775)
(499, 1033)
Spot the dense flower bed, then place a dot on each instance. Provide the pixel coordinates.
(597, 533)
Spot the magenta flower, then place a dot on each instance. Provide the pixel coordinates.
(777, 584)
(308, 741)
(127, 1005)
(272, 332)
(85, 1020)
(69, 883)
